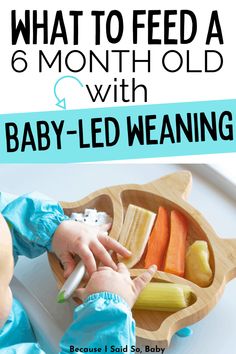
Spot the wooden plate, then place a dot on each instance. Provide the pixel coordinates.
(171, 192)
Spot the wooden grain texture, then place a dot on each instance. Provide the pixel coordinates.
(171, 192)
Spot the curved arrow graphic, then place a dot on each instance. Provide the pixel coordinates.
(62, 102)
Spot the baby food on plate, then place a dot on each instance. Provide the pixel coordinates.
(135, 232)
(161, 239)
(164, 297)
(164, 236)
(198, 269)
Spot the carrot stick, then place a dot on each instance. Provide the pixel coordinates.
(175, 257)
(158, 241)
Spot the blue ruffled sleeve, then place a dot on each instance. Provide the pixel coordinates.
(103, 321)
(32, 218)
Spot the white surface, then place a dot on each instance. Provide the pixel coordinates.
(226, 170)
(72, 182)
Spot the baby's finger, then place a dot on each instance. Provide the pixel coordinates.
(101, 253)
(88, 258)
(68, 263)
(111, 244)
(121, 267)
(141, 281)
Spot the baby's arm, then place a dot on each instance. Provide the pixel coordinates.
(105, 317)
(38, 224)
(33, 219)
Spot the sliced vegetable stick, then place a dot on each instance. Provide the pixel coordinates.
(135, 232)
(175, 257)
(164, 297)
(158, 241)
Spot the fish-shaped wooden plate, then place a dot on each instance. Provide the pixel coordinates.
(171, 192)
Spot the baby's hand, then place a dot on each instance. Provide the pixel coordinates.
(117, 282)
(73, 238)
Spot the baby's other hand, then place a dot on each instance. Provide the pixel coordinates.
(73, 238)
(117, 282)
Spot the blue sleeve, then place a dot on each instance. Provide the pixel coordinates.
(23, 348)
(32, 218)
(104, 320)
(17, 329)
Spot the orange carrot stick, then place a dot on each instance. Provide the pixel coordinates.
(175, 257)
(158, 241)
